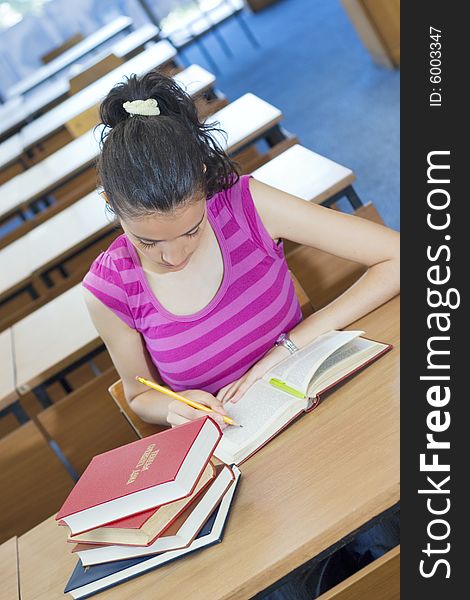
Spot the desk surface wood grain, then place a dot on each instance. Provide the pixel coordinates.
(327, 475)
(9, 561)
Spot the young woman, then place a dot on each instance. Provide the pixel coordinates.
(196, 293)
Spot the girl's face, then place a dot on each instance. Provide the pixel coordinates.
(168, 241)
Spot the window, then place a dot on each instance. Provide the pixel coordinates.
(12, 12)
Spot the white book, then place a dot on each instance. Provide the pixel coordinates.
(294, 386)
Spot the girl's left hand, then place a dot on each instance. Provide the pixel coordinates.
(232, 392)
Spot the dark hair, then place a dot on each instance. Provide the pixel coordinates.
(156, 163)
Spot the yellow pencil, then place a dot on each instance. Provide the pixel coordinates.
(191, 403)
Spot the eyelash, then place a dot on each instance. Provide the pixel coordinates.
(152, 244)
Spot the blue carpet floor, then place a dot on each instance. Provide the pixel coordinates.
(312, 65)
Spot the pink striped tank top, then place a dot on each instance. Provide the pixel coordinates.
(218, 344)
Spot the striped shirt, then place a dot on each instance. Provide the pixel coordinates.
(214, 346)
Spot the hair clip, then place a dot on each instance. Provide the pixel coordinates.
(147, 108)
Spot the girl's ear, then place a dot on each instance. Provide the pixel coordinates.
(204, 168)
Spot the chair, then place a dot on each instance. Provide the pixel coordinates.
(83, 122)
(69, 43)
(34, 482)
(143, 428)
(85, 423)
(93, 73)
(380, 579)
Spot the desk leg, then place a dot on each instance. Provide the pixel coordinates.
(274, 136)
(348, 192)
(17, 410)
(42, 395)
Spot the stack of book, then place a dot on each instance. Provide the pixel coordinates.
(145, 504)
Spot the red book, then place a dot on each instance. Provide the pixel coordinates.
(144, 528)
(155, 470)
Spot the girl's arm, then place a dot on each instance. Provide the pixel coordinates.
(130, 358)
(375, 246)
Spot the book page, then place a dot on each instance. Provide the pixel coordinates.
(341, 354)
(297, 370)
(342, 362)
(260, 406)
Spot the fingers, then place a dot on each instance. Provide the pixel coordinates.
(227, 391)
(217, 406)
(179, 413)
(241, 389)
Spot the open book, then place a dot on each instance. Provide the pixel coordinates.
(292, 387)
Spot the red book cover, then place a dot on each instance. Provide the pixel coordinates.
(151, 523)
(146, 463)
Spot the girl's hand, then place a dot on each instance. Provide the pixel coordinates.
(235, 390)
(179, 413)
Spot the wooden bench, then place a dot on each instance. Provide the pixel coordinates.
(86, 422)
(12, 158)
(247, 121)
(380, 580)
(16, 112)
(33, 480)
(54, 337)
(20, 194)
(88, 76)
(307, 175)
(73, 40)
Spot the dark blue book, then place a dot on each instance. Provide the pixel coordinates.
(87, 581)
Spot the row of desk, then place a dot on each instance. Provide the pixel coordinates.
(20, 110)
(44, 126)
(20, 191)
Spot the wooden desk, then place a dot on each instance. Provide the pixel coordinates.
(50, 241)
(326, 476)
(89, 44)
(9, 589)
(52, 338)
(305, 174)
(244, 120)
(18, 110)
(8, 393)
(11, 150)
(18, 193)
